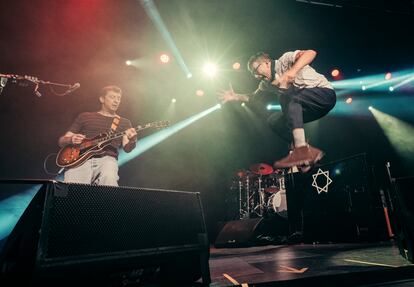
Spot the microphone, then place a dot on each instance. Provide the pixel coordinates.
(72, 88)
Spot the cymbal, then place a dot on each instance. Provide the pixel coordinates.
(261, 168)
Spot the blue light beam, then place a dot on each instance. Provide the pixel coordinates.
(148, 142)
(12, 208)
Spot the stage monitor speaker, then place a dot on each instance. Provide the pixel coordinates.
(237, 233)
(402, 199)
(251, 232)
(335, 202)
(99, 235)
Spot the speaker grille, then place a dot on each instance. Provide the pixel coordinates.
(86, 220)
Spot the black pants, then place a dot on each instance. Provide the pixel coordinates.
(300, 106)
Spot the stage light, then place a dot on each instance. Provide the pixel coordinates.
(274, 107)
(388, 76)
(335, 73)
(243, 104)
(128, 62)
(189, 76)
(391, 88)
(348, 100)
(200, 93)
(210, 69)
(236, 66)
(370, 108)
(164, 58)
(173, 100)
(363, 88)
(337, 171)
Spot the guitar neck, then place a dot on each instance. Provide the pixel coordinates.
(120, 134)
(110, 137)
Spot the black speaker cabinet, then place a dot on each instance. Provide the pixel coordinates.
(237, 233)
(251, 232)
(334, 202)
(74, 233)
(402, 198)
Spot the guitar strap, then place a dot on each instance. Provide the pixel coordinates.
(115, 123)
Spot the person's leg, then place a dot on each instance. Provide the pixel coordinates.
(80, 174)
(107, 171)
(301, 106)
(316, 103)
(278, 124)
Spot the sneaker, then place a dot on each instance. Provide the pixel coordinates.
(300, 156)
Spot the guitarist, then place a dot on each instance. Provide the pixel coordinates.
(101, 169)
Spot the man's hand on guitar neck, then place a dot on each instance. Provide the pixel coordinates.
(130, 135)
(129, 139)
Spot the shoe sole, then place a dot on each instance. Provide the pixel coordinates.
(300, 163)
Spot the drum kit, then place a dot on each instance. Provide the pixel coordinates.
(261, 191)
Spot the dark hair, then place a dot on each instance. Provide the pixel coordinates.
(258, 57)
(113, 88)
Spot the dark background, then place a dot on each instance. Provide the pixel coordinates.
(89, 41)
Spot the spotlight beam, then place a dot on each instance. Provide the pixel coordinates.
(399, 133)
(387, 82)
(155, 16)
(373, 81)
(12, 208)
(406, 81)
(148, 142)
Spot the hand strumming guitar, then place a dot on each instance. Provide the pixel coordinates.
(77, 138)
(71, 138)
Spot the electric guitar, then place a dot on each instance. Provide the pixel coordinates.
(74, 155)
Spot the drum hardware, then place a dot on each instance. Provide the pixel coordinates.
(261, 190)
(243, 179)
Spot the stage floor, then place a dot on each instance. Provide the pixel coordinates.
(307, 262)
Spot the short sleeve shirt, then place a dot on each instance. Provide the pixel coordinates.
(306, 77)
(91, 124)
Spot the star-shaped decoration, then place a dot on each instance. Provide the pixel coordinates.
(315, 183)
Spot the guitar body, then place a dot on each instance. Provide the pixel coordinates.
(74, 155)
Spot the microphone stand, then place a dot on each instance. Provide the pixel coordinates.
(35, 80)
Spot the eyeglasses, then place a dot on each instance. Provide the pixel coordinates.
(254, 72)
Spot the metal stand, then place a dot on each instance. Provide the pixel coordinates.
(37, 82)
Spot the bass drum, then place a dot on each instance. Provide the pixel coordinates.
(277, 203)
